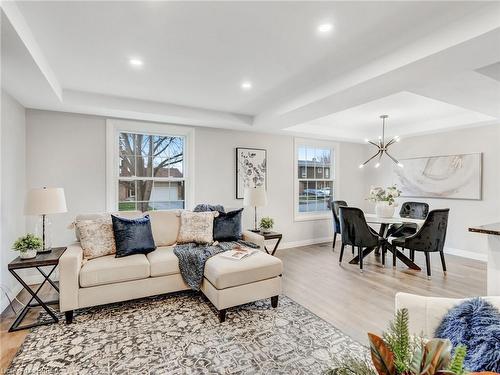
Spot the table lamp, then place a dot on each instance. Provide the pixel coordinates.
(43, 202)
(256, 197)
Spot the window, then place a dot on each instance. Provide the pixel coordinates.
(149, 167)
(314, 179)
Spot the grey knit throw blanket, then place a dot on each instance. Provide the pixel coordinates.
(192, 258)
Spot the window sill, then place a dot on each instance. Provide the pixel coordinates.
(313, 217)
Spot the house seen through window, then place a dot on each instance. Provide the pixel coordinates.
(315, 178)
(151, 172)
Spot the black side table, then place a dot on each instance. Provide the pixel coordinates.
(272, 236)
(41, 260)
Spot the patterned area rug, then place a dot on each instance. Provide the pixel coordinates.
(180, 334)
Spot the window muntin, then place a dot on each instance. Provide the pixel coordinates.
(151, 172)
(315, 179)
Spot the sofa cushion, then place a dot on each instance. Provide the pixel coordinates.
(165, 226)
(163, 261)
(227, 226)
(109, 270)
(225, 273)
(96, 237)
(126, 214)
(197, 227)
(133, 236)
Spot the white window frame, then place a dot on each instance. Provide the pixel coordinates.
(113, 129)
(334, 171)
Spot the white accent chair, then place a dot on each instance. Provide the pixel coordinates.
(426, 313)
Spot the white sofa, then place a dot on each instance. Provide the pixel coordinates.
(426, 313)
(108, 279)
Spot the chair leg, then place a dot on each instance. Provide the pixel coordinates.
(334, 240)
(360, 253)
(443, 263)
(352, 249)
(341, 253)
(412, 255)
(394, 252)
(428, 264)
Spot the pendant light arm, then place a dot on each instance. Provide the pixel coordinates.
(393, 159)
(373, 157)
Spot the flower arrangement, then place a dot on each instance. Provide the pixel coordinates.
(378, 194)
(266, 223)
(399, 353)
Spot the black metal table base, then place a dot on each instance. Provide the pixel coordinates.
(402, 257)
(275, 247)
(39, 302)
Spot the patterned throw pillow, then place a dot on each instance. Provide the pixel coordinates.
(197, 227)
(96, 237)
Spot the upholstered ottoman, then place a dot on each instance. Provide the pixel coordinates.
(230, 282)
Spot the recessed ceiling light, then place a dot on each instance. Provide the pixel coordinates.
(325, 28)
(246, 85)
(136, 62)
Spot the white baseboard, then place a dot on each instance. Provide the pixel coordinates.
(448, 250)
(313, 241)
(466, 254)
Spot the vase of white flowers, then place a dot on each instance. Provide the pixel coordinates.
(384, 199)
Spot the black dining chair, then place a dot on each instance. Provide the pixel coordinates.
(413, 210)
(430, 238)
(356, 232)
(336, 221)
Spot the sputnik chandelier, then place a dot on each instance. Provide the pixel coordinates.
(382, 147)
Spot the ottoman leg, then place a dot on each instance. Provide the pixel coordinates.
(69, 316)
(274, 301)
(222, 315)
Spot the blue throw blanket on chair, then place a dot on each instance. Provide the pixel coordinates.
(192, 258)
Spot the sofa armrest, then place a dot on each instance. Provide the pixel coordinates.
(256, 238)
(70, 264)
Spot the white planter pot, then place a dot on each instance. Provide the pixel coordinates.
(384, 209)
(28, 254)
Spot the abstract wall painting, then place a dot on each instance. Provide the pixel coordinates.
(451, 176)
(251, 169)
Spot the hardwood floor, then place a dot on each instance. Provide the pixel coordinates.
(358, 303)
(354, 302)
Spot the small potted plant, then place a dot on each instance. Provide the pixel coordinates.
(266, 224)
(384, 200)
(27, 246)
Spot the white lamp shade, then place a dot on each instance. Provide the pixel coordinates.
(45, 201)
(255, 196)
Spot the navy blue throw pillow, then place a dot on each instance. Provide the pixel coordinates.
(227, 226)
(474, 323)
(133, 236)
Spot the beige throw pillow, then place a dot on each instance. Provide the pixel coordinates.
(197, 227)
(96, 237)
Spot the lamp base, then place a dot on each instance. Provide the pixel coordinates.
(44, 251)
(254, 230)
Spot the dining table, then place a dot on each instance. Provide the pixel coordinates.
(384, 223)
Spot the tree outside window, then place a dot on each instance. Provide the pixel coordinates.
(151, 172)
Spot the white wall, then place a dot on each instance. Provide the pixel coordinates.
(215, 179)
(13, 127)
(463, 213)
(68, 150)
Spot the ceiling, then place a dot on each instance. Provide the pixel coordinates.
(439, 57)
